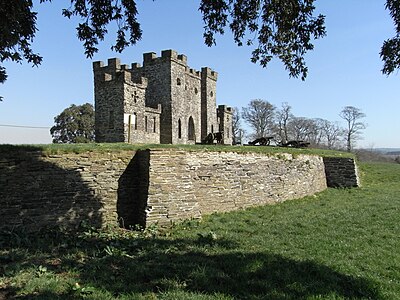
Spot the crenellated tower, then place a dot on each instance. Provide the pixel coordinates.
(208, 101)
(224, 114)
(163, 101)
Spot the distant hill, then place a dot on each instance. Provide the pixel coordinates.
(387, 151)
(393, 153)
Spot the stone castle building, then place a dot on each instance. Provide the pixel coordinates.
(164, 101)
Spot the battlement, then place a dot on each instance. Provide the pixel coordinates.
(114, 71)
(170, 54)
(207, 72)
(225, 109)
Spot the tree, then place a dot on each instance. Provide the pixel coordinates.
(259, 114)
(331, 133)
(74, 125)
(237, 130)
(303, 129)
(18, 27)
(281, 29)
(352, 116)
(283, 116)
(390, 51)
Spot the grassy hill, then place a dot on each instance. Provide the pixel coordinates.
(339, 244)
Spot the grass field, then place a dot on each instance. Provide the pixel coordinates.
(339, 244)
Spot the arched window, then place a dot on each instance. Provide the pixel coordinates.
(179, 129)
(191, 133)
(178, 81)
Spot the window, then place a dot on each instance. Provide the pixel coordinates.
(212, 128)
(178, 81)
(179, 129)
(196, 91)
(145, 123)
(191, 133)
(154, 124)
(211, 94)
(135, 120)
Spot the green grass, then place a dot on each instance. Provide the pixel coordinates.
(117, 147)
(339, 244)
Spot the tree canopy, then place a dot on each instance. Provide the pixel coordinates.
(74, 124)
(283, 29)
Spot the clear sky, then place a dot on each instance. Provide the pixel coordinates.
(344, 68)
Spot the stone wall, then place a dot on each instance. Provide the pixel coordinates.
(153, 186)
(65, 189)
(186, 184)
(341, 172)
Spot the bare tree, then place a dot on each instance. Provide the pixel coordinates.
(301, 128)
(352, 116)
(237, 130)
(331, 133)
(259, 115)
(282, 117)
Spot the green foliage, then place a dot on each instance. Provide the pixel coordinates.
(390, 51)
(17, 30)
(338, 244)
(281, 29)
(74, 125)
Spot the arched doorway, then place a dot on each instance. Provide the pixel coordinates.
(191, 132)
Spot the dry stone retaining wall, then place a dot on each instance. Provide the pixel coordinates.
(191, 184)
(151, 186)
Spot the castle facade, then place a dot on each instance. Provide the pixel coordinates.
(164, 101)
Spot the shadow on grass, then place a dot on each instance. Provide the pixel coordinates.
(201, 267)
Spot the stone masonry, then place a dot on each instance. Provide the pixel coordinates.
(164, 101)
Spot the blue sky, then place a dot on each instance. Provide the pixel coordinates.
(344, 68)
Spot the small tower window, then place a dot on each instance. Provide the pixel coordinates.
(211, 94)
(145, 123)
(135, 120)
(178, 81)
(196, 91)
(154, 124)
(179, 129)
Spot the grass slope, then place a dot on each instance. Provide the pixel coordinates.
(339, 244)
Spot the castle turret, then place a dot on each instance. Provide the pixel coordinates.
(208, 102)
(224, 114)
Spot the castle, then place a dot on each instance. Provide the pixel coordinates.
(164, 101)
